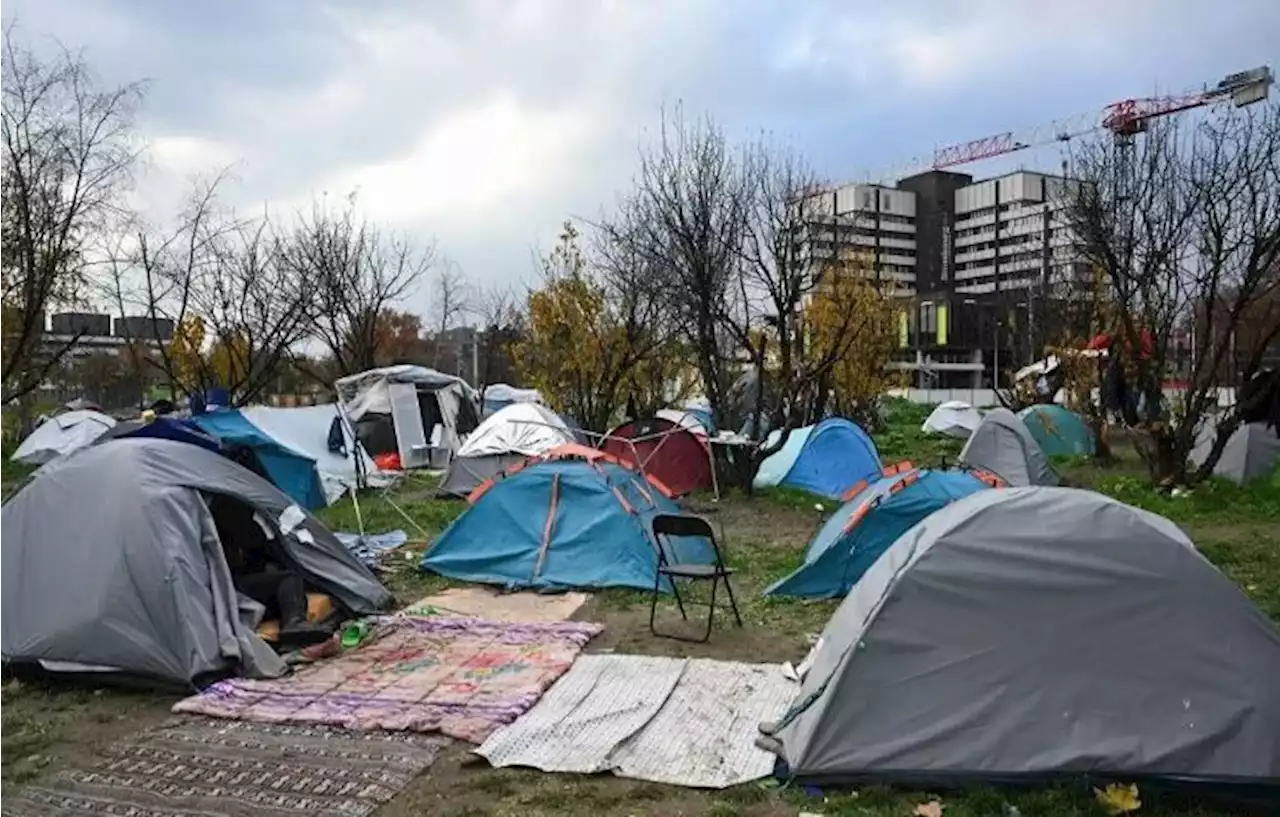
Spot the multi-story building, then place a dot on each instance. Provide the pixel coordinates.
(973, 263)
(868, 226)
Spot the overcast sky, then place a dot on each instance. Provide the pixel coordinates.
(486, 123)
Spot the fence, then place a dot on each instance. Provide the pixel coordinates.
(982, 398)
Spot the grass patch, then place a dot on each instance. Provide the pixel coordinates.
(901, 438)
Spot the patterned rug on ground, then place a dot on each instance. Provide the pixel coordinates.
(201, 767)
(464, 677)
(688, 722)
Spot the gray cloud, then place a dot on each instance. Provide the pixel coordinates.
(486, 123)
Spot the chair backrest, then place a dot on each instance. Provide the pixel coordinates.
(679, 524)
(670, 524)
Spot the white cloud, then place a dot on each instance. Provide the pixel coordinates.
(471, 161)
(190, 155)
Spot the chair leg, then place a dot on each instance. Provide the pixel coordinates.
(733, 604)
(675, 591)
(711, 611)
(653, 602)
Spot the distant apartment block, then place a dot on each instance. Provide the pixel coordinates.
(96, 333)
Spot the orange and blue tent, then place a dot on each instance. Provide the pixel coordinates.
(560, 523)
(872, 518)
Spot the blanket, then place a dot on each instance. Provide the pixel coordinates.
(688, 722)
(495, 605)
(459, 676)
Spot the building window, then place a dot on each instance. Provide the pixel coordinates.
(866, 200)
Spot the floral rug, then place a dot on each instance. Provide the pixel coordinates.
(463, 677)
(200, 767)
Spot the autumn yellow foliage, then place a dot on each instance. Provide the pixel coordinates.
(186, 352)
(577, 351)
(851, 321)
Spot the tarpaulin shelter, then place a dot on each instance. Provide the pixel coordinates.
(500, 395)
(291, 471)
(667, 450)
(112, 561)
(1252, 451)
(504, 439)
(1003, 445)
(61, 434)
(1058, 430)
(954, 418)
(825, 459)
(416, 413)
(867, 524)
(319, 432)
(560, 524)
(1031, 634)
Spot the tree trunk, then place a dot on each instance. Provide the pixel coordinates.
(1157, 448)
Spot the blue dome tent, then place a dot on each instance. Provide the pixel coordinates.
(1057, 430)
(865, 526)
(560, 524)
(825, 459)
(289, 470)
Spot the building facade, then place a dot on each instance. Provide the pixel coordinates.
(976, 265)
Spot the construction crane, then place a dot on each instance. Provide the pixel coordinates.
(1125, 119)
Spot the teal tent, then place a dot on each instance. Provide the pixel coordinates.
(1057, 430)
(289, 470)
(562, 524)
(865, 526)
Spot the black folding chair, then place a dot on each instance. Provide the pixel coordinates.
(666, 526)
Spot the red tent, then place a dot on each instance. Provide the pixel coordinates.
(670, 453)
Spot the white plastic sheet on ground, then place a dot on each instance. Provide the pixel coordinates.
(687, 722)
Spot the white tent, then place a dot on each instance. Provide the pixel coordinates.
(518, 431)
(954, 418)
(685, 419)
(416, 412)
(500, 395)
(61, 434)
(306, 430)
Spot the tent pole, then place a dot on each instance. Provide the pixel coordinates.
(410, 519)
(355, 503)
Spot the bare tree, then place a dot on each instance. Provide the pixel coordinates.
(799, 319)
(1185, 225)
(68, 158)
(239, 309)
(452, 296)
(357, 274)
(497, 312)
(685, 221)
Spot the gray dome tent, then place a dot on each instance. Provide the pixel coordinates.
(1003, 445)
(1252, 451)
(1034, 633)
(111, 561)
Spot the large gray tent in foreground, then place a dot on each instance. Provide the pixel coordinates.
(111, 561)
(1027, 634)
(1002, 445)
